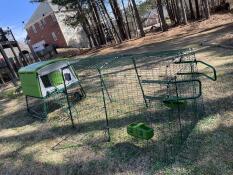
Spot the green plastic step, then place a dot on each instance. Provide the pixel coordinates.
(154, 97)
(155, 81)
(173, 104)
(140, 130)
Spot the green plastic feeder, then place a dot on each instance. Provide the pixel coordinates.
(140, 130)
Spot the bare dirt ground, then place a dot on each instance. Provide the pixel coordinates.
(27, 144)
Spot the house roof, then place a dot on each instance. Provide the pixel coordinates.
(35, 67)
(43, 9)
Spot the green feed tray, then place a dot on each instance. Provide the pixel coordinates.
(140, 130)
(174, 104)
(56, 78)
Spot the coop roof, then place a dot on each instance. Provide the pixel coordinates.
(35, 67)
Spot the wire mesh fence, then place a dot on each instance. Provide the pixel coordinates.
(148, 87)
(162, 90)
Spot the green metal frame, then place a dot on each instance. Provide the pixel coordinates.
(139, 81)
(67, 97)
(167, 82)
(103, 87)
(213, 78)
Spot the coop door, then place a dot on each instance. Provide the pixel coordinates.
(69, 76)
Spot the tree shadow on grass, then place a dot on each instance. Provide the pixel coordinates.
(16, 119)
(128, 158)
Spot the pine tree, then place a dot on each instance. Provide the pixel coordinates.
(185, 21)
(161, 14)
(138, 19)
(119, 18)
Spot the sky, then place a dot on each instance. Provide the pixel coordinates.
(13, 13)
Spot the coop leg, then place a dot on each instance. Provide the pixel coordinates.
(26, 97)
(46, 109)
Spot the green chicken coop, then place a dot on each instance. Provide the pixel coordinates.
(45, 81)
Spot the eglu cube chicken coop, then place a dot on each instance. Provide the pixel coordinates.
(44, 83)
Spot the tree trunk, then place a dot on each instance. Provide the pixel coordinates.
(185, 21)
(197, 9)
(97, 21)
(106, 27)
(134, 25)
(161, 14)
(88, 34)
(170, 12)
(207, 9)
(138, 19)
(93, 28)
(174, 9)
(191, 10)
(119, 19)
(178, 12)
(111, 22)
(126, 18)
(87, 26)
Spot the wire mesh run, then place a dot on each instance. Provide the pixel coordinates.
(148, 88)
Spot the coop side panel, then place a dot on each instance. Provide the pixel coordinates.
(30, 84)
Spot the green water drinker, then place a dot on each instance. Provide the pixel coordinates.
(140, 130)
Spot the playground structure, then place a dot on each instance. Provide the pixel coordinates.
(152, 96)
(11, 66)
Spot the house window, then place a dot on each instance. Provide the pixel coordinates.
(41, 25)
(54, 36)
(43, 21)
(53, 17)
(34, 29)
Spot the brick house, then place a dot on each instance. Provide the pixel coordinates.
(47, 26)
